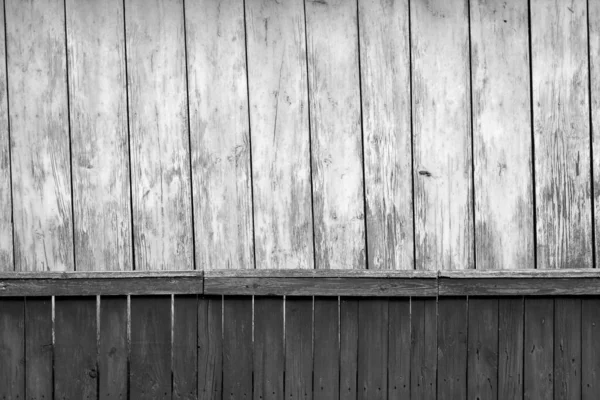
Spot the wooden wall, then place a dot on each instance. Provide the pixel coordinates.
(202, 134)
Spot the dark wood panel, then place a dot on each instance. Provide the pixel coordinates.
(482, 360)
(452, 348)
(348, 348)
(269, 354)
(539, 349)
(510, 348)
(326, 363)
(38, 348)
(423, 358)
(555, 286)
(567, 348)
(590, 357)
(185, 343)
(210, 347)
(12, 349)
(298, 348)
(113, 354)
(399, 349)
(237, 348)
(372, 348)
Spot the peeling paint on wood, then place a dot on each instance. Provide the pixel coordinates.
(6, 225)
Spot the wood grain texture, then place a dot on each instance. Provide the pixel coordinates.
(482, 361)
(298, 348)
(423, 344)
(278, 87)
(219, 134)
(510, 348)
(504, 233)
(6, 222)
(348, 348)
(519, 287)
(38, 348)
(99, 139)
(442, 135)
(269, 350)
(210, 348)
(590, 354)
(594, 54)
(399, 349)
(12, 349)
(113, 349)
(561, 134)
(567, 348)
(159, 140)
(372, 349)
(538, 368)
(41, 171)
(326, 344)
(237, 347)
(335, 123)
(184, 352)
(385, 84)
(452, 348)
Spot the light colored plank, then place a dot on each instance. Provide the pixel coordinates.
(385, 71)
(442, 135)
(162, 217)
(562, 133)
(594, 49)
(280, 134)
(219, 133)
(41, 171)
(504, 233)
(6, 225)
(99, 140)
(333, 75)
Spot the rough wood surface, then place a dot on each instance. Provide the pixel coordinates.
(159, 139)
(326, 344)
(399, 349)
(452, 349)
(38, 348)
(538, 369)
(442, 135)
(219, 134)
(298, 348)
(237, 347)
(594, 53)
(12, 349)
(99, 139)
(210, 348)
(561, 133)
(6, 222)
(113, 349)
(372, 349)
(423, 344)
(482, 362)
(269, 351)
(519, 287)
(567, 348)
(278, 87)
(504, 233)
(335, 123)
(510, 348)
(185, 344)
(41, 171)
(590, 354)
(385, 84)
(348, 348)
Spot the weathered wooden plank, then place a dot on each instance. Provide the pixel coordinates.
(567, 348)
(482, 359)
(113, 351)
(269, 353)
(12, 349)
(210, 348)
(298, 348)
(335, 123)
(6, 213)
(594, 54)
(41, 172)
(185, 343)
(237, 347)
(519, 287)
(399, 349)
(590, 355)
(539, 349)
(220, 139)
(150, 353)
(423, 355)
(348, 348)
(326, 351)
(75, 348)
(442, 135)
(510, 348)
(350, 273)
(372, 348)
(38, 348)
(158, 126)
(504, 233)
(278, 87)
(452, 348)
(561, 134)
(99, 139)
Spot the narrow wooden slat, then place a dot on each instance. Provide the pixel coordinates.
(442, 134)
(399, 349)
(219, 133)
(38, 348)
(567, 348)
(113, 351)
(590, 353)
(276, 46)
(12, 349)
(539, 349)
(556, 286)
(210, 348)
(41, 184)
(99, 141)
(372, 348)
(510, 348)
(502, 134)
(75, 348)
(335, 122)
(594, 54)
(423, 355)
(348, 348)
(185, 344)
(385, 84)
(298, 348)
(561, 133)
(452, 348)
(6, 224)
(269, 352)
(326, 364)
(237, 347)
(150, 354)
(482, 359)
(159, 140)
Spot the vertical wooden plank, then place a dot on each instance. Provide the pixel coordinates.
(38, 348)
(113, 351)
(280, 136)
(210, 348)
(590, 354)
(150, 358)
(442, 134)
(539, 348)
(399, 348)
(502, 135)
(567, 348)
(423, 355)
(237, 347)
(6, 223)
(561, 133)
(298, 348)
(326, 349)
(385, 83)
(12, 349)
(75, 348)
(372, 348)
(269, 356)
(452, 348)
(335, 122)
(185, 343)
(348, 348)
(41, 168)
(594, 54)
(219, 133)
(158, 125)
(510, 348)
(482, 359)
